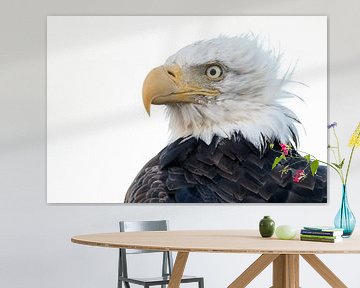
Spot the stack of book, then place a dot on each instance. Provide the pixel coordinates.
(321, 234)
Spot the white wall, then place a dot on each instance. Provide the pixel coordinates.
(34, 237)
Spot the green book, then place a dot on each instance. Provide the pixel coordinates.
(325, 240)
(319, 236)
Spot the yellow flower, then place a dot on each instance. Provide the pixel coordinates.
(355, 138)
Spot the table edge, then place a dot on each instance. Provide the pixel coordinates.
(203, 250)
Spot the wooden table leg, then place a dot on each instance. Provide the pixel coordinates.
(286, 271)
(293, 261)
(279, 270)
(253, 270)
(178, 270)
(324, 271)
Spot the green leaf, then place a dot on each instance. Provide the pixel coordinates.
(336, 165)
(307, 157)
(314, 167)
(342, 163)
(271, 145)
(277, 161)
(339, 166)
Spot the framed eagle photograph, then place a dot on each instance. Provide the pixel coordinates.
(186, 109)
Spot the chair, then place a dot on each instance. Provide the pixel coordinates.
(167, 262)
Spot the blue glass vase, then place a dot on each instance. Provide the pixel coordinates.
(345, 219)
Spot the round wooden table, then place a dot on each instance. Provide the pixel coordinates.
(284, 254)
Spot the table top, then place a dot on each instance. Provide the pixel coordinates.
(217, 241)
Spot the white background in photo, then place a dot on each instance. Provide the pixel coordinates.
(99, 135)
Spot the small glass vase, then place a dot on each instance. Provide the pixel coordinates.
(345, 219)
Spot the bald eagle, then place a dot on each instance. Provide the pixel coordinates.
(222, 101)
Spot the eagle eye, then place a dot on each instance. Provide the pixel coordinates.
(214, 72)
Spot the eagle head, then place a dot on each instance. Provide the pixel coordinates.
(223, 86)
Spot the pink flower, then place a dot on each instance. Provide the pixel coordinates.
(299, 175)
(284, 149)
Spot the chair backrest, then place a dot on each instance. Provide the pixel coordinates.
(134, 226)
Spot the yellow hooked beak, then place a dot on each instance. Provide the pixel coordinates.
(166, 85)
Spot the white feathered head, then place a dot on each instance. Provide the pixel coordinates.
(220, 87)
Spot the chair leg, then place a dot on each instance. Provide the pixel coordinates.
(201, 283)
(126, 284)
